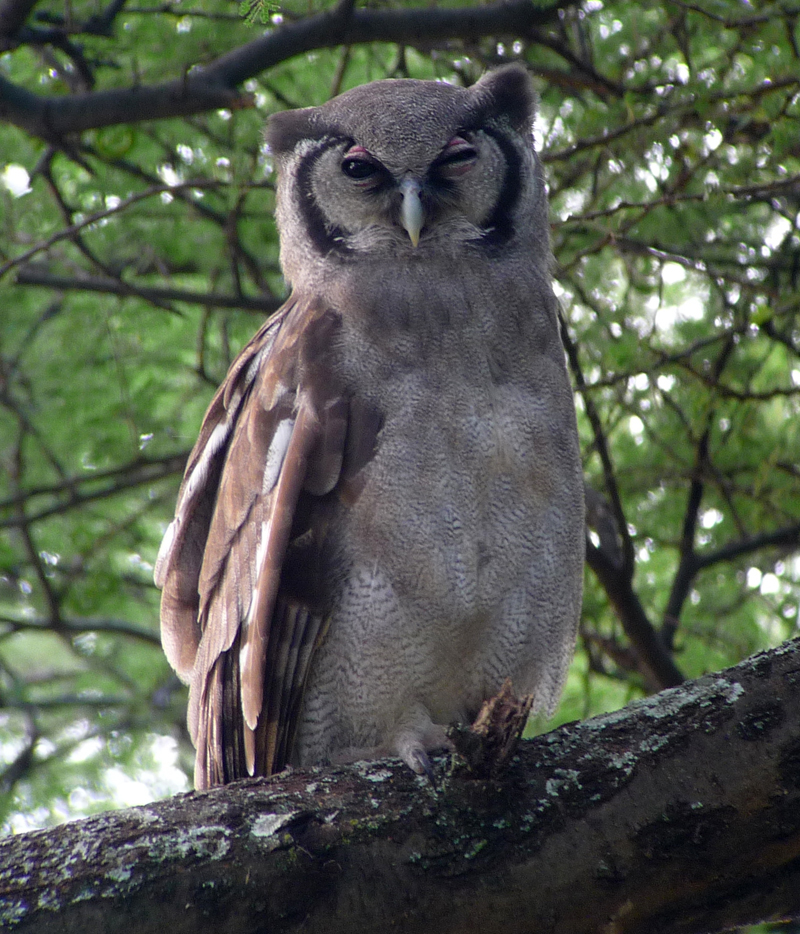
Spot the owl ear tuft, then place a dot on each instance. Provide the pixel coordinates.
(284, 130)
(508, 91)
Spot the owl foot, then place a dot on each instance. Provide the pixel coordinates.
(413, 749)
(419, 762)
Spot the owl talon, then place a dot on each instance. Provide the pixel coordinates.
(420, 763)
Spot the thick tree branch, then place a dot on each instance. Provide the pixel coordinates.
(215, 85)
(411, 26)
(51, 118)
(596, 827)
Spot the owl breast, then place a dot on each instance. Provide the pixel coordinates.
(465, 530)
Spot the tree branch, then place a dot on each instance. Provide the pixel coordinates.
(601, 446)
(31, 275)
(658, 665)
(51, 118)
(687, 563)
(71, 230)
(78, 625)
(72, 492)
(788, 537)
(596, 827)
(615, 568)
(214, 85)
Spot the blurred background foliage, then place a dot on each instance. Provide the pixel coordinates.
(137, 257)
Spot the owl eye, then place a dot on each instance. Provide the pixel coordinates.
(359, 169)
(359, 165)
(458, 157)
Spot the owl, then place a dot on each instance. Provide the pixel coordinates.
(383, 517)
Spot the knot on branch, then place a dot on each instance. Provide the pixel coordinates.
(490, 743)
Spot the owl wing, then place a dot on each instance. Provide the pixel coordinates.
(242, 568)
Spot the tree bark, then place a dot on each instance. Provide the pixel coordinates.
(680, 813)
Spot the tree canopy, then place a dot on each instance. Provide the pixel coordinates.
(138, 253)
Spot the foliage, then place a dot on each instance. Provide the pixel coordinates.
(138, 253)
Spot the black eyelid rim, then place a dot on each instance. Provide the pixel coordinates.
(445, 158)
(361, 157)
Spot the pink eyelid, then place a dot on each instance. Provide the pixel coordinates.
(460, 168)
(456, 142)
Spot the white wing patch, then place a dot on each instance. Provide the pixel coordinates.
(196, 483)
(261, 552)
(275, 455)
(215, 441)
(160, 570)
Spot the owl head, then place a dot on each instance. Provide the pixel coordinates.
(409, 169)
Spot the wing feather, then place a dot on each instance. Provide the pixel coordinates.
(245, 600)
(271, 551)
(181, 556)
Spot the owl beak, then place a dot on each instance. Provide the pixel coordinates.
(412, 214)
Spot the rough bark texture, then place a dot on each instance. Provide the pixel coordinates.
(680, 813)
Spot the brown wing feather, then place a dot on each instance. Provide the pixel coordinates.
(269, 561)
(278, 438)
(180, 558)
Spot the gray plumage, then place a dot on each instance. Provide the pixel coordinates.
(383, 516)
